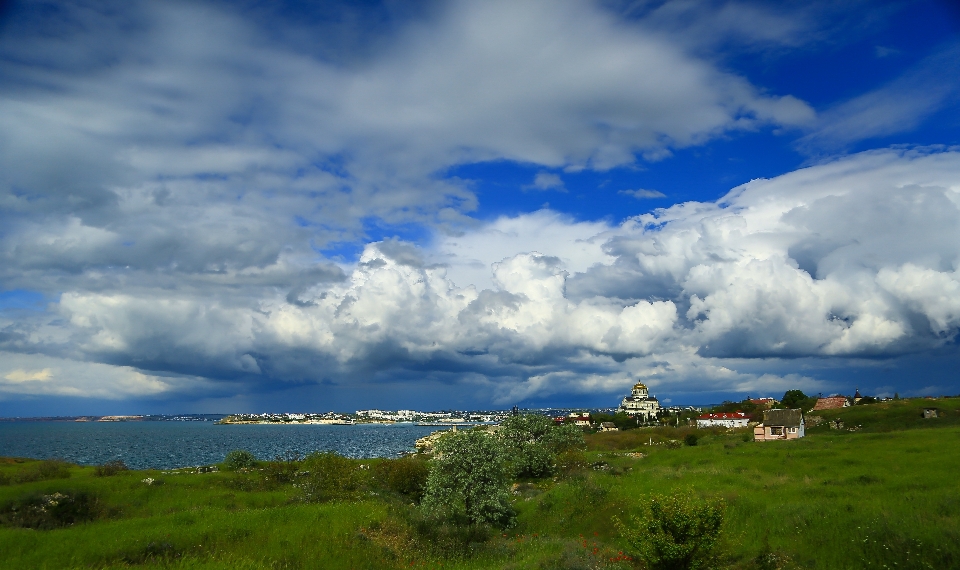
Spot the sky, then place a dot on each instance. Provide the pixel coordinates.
(218, 207)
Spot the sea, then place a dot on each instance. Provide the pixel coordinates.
(195, 441)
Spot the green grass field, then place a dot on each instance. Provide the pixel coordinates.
(883, 496)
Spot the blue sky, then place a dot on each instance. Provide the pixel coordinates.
(244, 206)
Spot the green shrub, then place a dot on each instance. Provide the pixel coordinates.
(110, 468)
(406, 476)
(467, 481)
(330, 476)
(691, 439)
(44, 470)
(239, 459)
(676, 532)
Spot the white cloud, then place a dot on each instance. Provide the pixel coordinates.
(899, 106)
(546, 181)
(21, 375)
(37, 375)
(642, 193)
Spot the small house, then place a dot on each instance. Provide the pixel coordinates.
(929, 413)
(780, 424)
(727, 420)
(608, 426)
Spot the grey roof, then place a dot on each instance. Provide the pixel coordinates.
(786, 418)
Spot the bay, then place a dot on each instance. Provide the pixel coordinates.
(172, 444)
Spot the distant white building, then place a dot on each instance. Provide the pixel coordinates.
(641, 403)
(727, 420)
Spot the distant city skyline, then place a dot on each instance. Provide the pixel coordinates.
(226, 207)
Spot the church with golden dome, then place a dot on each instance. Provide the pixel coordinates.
(641, 403)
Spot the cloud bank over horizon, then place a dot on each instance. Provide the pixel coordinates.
(857, 258)
(210, 201)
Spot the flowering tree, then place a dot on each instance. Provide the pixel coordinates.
(467, 481)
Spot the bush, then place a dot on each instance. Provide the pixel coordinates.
(44, 512)
(676, 532)
(330, 476)
(280, 471)
(691, 439)
(239, 459)
(406, 476)
(110, 468)
(467, 481)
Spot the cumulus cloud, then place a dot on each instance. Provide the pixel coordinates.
(177, 179)
(854, 258)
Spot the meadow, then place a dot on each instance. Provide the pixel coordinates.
(882, 495)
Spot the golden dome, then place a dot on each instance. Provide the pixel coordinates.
(640, 386)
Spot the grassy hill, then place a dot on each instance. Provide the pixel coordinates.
(884, 496)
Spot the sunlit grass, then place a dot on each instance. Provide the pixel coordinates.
(836, 499)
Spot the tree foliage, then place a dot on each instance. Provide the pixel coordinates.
(797, 399)
(531, 443)
(467, 482)
(676, 532)
(622, 420)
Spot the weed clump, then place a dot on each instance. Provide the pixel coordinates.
(43, 471)
(110, 468)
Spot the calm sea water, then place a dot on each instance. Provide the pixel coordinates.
(170, 444)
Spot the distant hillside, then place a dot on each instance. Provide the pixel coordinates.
(893, 415)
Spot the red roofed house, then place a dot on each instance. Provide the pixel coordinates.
(734, 420)
(582, 420)
(831, 403)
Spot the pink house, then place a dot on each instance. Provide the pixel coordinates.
(780, 424)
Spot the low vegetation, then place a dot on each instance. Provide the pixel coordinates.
(879, 492)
